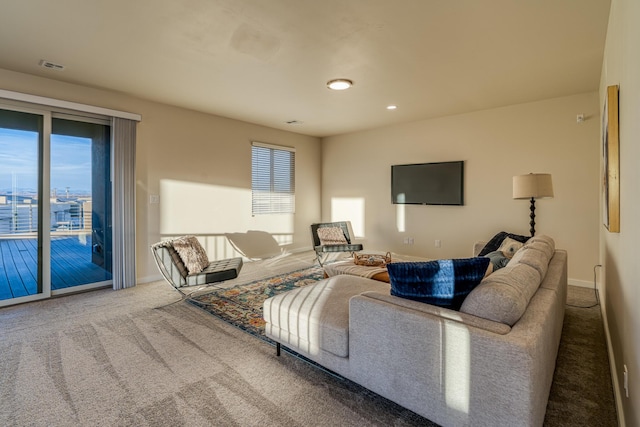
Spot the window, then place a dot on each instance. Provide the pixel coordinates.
(272, 179)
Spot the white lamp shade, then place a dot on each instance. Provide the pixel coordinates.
(536, 185)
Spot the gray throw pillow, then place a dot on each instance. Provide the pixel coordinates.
(497, 259)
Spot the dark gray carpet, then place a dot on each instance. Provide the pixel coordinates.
(582, 391)
(110, 358)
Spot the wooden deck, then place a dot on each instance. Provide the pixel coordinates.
(70, 266)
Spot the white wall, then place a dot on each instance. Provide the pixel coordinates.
(200, 166)
(495, 145)
(619, 251)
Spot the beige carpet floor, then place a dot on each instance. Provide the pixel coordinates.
(130, 357)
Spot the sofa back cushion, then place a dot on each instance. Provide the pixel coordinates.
(504, 295)
(545, 240)
(537, 253)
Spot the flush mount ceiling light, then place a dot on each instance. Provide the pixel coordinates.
(339, 84)
(392, 107)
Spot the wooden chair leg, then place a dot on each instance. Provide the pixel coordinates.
(278, 349)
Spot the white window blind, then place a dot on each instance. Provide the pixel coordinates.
(272, 179)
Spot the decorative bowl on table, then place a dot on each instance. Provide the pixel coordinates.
(372, 260)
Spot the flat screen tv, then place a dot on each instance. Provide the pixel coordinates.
(439, 183)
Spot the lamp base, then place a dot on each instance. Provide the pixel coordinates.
(532, 223)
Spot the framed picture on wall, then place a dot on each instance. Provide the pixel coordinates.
(611, 162)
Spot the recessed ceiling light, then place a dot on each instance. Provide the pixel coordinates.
(392, 107)
(339, 84)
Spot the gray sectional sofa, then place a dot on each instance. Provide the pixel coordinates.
(489, 364)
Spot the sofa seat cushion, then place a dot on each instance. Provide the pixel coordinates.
(504, 295)
(319, 313)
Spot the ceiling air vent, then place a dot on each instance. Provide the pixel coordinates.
(51, 65)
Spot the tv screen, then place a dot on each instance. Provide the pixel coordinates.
(428, 184)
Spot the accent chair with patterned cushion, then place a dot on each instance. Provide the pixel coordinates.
(183, 262)
(332, 237)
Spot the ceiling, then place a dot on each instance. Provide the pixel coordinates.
(268, 61)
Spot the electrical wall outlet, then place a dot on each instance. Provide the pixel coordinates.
(438, 243)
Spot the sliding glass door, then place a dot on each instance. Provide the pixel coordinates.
(55, 204)
(21, 205)
(80, 203)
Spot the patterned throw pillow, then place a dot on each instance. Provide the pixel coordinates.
(192, 253)
(497, 240)
(509, 247)
(444, 283)
(331, 236)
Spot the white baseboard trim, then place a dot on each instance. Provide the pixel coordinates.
(581, 283)
(149, 279)
(613, 368)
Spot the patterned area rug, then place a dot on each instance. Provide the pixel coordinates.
(241, 305)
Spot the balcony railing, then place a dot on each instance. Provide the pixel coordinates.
(22, 219)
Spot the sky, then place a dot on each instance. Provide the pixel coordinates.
(70, 161)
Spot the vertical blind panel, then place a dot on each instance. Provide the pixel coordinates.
(272, 180)
(124, 202)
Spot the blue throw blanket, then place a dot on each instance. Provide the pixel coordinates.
(444, 283)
